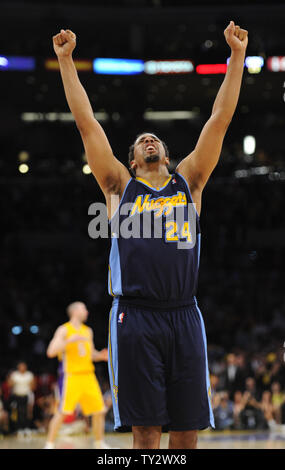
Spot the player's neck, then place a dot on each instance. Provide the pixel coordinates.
(155, 176)
(76, 323)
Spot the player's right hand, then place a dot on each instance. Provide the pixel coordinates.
(76, 337)
(104, 354)
(64, 43)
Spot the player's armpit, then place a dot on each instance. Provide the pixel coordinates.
(199, 164)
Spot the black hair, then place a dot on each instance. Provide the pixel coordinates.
(132, 148)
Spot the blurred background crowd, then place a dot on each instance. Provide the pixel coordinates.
(47, 257)
(247, 393)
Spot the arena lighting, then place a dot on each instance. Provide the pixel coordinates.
(260, 170)
(168, 115)
(118, 66)
(34, 329)
(16, 330)
(23, 168)
(241, 173)
(53, 116)
(207, 69)
(254, 64)
(3, 61)
(17, 63)
(249, 144)
(81, 65)
(86, 169)
(23, 156)
(155, 67)
(276, 63)
(254, 171)
(277, 176)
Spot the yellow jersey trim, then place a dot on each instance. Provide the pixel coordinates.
(142, 180)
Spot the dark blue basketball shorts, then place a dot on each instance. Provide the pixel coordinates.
(158, 367)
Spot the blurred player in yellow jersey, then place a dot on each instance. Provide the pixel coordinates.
(77, 385)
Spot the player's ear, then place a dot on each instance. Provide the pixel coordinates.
(133, 166)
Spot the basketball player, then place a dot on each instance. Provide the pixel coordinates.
(157, 344)
(77, 385)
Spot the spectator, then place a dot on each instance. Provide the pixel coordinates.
(274, 368)
(109, 417)
(282, 415)
(234, 374)
(262, 377)
(238, 407)
(43, 412)
(224, 413)
(215, 397)
(268, 410)
(4, 417)
(6, 391)
(252, 416)
(44, 384)
(277, 400)
(22, 383)
(243, 371)
(250, 387)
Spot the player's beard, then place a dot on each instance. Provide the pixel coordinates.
(153, 157)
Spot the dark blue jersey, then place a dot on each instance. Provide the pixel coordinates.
(155, 245)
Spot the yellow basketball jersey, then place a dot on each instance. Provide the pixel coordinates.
(77, 357)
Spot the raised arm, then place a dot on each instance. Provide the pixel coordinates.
(199, 164)
(110, 173)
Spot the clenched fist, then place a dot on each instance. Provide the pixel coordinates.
(64, 42)
(236, 37)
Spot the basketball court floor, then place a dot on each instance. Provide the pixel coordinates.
(207, 440)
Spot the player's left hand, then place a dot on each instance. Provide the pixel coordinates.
(236, 37)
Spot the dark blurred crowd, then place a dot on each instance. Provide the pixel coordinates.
(248, 392)
(29, 400)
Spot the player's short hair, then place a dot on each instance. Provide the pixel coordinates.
(132, 148)
(72, 306)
